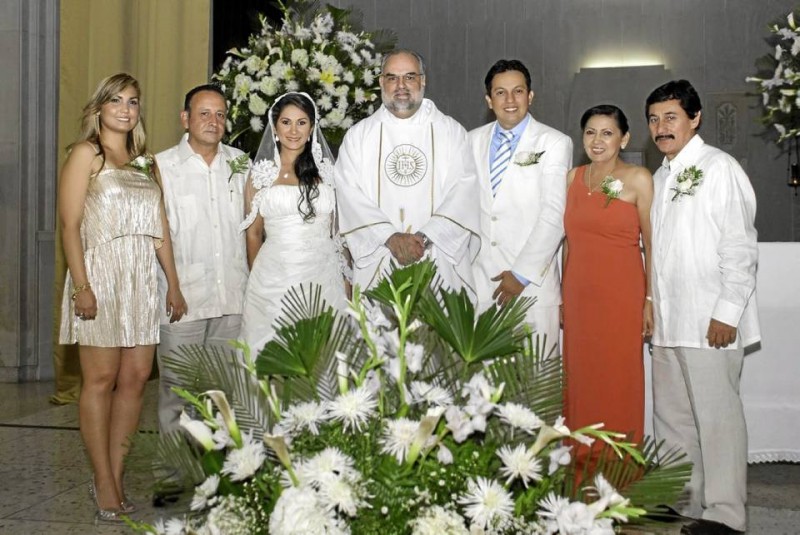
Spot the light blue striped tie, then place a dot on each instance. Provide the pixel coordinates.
(500, 162)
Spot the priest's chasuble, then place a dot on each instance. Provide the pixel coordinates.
(409, 175)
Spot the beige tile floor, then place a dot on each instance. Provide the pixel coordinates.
(44, 474)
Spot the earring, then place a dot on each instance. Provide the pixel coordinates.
(308, 140)
(276, 139)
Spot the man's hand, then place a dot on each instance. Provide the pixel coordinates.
(406, 248)
(508, 288)
(720, 334)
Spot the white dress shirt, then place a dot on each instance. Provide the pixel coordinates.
(205, 206)
(705, 250)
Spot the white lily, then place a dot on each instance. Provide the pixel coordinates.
(199, 431)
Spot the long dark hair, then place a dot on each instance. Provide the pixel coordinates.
(304, 166)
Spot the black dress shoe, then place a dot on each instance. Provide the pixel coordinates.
(166, 494)
(708, 527)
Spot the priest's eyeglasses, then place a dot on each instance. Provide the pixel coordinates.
(409, 78)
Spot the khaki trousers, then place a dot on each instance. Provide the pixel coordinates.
(697, 408)
(213, 332)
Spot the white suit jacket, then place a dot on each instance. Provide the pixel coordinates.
(522, 227)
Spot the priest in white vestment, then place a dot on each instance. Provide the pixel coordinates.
(406, 184)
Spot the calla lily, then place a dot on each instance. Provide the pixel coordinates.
(278, 444)
(219, 399)
(199, 431)
(547, 434)
(426, 427)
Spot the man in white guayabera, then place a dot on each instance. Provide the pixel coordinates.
(522, 165)
(203, 192)
(704, 306)
(406, 183)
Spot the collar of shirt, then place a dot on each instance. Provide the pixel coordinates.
(517, 132)
(686, 157)
(185, 151)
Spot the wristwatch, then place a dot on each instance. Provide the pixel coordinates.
(426, 241)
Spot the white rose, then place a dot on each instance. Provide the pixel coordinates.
(268, 86)
(684, 186)
(615, 186)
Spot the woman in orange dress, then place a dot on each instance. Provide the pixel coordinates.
(607, 308)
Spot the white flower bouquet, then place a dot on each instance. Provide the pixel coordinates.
(319, 50)
(409, 414)
(779, 79)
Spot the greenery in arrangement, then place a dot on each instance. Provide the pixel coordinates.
(321, 50)
(410, 413)
(779, 79)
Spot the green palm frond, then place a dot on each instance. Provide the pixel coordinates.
(170, 458)
(495, 333)
(199, 369)
(301, 360)
(411, 282)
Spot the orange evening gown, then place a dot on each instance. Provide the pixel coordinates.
(603, 294)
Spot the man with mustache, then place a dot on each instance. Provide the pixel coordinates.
(406, 186)
(705, 254)
(205, 204)
(522, 165)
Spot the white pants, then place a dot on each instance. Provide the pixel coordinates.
(213, 332)
(544, 323)
(697, 408)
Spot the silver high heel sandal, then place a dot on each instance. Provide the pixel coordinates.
(127, 506)
(103, 515)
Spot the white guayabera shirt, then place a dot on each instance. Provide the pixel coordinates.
(204, 210)
(705, 250)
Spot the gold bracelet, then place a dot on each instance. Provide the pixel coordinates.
(79, 288)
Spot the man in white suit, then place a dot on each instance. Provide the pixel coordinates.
(705, 254)
(522, 167)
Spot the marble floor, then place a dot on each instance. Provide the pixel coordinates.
(44, 474)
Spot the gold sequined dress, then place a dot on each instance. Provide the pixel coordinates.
(121, 222)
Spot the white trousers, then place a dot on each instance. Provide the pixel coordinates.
(697, 408)
(544, 323)
(213, 332)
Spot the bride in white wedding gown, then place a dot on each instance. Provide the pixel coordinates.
(290, 226)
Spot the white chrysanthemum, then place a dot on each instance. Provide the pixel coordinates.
(256, 124)
(335, 117)
(302, 33)
(322, 24)
(349, 77)
(520, 463)
(300, 57)
(358, 96)
(298, 512)
(341, 493)
(257, 106)
(487, 503)
(347, 122)
(552, 505)
(277, 68)
(242, 463)
(559, 457)
(368, 77)
(292, 85)
(328, 461)
(306, 415)
(204, 493)
(437, 520)
(174, 526)
(422, 392)
(252, 64)
(269, 86)
(325, 103)
(519, 417)
(398, 437)
(353, 408)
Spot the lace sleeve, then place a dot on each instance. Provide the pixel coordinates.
(262, 176)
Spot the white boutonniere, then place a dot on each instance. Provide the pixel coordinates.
(611, 187)
(687, 182)
(524, 158)
(143, 163)
(240, 164)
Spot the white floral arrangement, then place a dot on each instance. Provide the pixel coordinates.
(779, 80)
(366, 429)
(687, 182)
(318, 50)
(526, 158)
(612, 188)
(143, 163)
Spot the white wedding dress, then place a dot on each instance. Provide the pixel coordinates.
(294, 253)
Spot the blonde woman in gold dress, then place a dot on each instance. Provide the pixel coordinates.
(114, 229)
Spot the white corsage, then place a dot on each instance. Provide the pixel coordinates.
(687, 182)
(143, 163)
(611, 187)
(525, 158)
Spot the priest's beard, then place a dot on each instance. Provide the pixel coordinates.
(403, 108)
